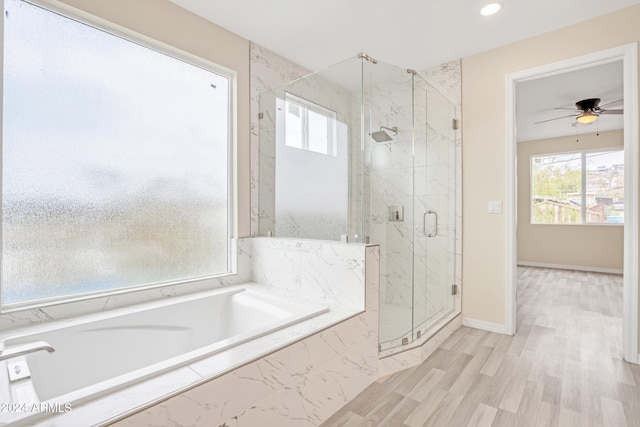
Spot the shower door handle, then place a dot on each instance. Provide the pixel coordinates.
(424, 223)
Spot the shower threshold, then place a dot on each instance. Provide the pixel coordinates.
(394, 346)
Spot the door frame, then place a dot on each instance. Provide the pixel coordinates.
(628, 54)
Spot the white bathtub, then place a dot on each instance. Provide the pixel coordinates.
(99, 353)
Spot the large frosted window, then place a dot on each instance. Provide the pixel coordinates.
(115, 161)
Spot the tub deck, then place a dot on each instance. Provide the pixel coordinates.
(98, 354)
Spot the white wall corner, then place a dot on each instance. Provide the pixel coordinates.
(485, 326)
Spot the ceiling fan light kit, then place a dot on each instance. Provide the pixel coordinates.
(588, 111)
(586, 118)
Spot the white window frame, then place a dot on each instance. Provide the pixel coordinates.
(583, 186)
(116, 30)
(307, 106)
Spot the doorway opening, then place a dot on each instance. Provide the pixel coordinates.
(626, 56)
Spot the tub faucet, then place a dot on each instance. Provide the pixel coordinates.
(22, 349)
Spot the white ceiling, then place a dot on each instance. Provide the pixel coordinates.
(419, 34)
(545, 98)
(408, 33)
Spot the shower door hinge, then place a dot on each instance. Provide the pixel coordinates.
(260, 116)
(454, 123)
(454, 289)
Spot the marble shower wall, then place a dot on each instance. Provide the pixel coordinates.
(435, 191)
(416, 270)
(385, 177)
(308, 192)
(268, 71)
(391, 182)
(446, 78)
(428, 180)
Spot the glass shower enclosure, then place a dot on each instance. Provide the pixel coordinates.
(366, 151)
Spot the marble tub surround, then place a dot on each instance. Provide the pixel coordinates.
(301, 384)
(310, 353)
(320, 271)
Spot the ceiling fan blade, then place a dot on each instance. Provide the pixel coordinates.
(557, 118)
(567, 108)
(612, 103)
(611, 112)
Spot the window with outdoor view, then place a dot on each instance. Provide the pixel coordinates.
(584, 187)
(115, 161)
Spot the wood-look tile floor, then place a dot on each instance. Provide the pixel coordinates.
(562, 368)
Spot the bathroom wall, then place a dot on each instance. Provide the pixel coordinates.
(577, 245)
(484, 163)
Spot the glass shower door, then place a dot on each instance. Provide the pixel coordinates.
(392, 200)
(434, 230)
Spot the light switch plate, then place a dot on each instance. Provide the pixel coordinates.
(495, 207)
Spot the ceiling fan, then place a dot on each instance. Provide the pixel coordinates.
(588, 110)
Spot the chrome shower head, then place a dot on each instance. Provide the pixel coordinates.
(382, 136)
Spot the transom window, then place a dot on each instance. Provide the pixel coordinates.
(115, 161)
(585, 187)
(310, 126)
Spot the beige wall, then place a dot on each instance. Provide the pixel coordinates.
(599, 246)
(483, 106)
(170, 24)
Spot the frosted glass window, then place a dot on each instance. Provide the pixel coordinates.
(294, 126)
(115, 161)
(310, 126)
(320, 140)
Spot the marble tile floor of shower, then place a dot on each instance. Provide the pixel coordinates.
(562, 368)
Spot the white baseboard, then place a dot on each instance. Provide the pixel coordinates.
(485, 326)
(570, 267)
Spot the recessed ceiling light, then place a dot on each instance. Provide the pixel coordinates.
(490, 9)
